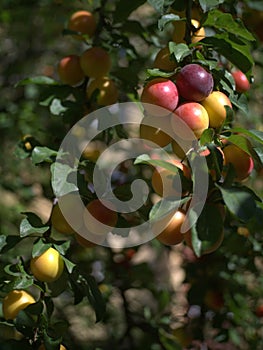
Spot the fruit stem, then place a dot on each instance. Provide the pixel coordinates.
(188, 27)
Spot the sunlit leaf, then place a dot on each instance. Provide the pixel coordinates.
(180, 51)
(225, 22)
(43, 154)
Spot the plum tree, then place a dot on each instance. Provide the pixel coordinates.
(194, 83)
(15, 301)
(48, 266)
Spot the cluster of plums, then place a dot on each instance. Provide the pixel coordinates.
(188, 96)
(92, 66)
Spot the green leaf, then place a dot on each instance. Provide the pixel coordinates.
(69, 264)
(241, 142)
(225, 22)
(207, 5)
(50, 342)
(180, 51)
(124, 8)
(240, 201)
(84, 285)
(40, 247)
(36, 308)
(32, 224)
(145, 159)
(207, 136)
(236, 51)
(255, 135)
(62, 246)
(168, 341)
(206, 227)
(240, 102)
(49, 305)
(8, 242)
(57, 107)
(23, 282)
(60, 178)
(164, 207)
(259, 153)
(43, 154)
(155, 72)
(60, 327)
(39, 80)
(160, 5)
(95, 298)
(133, 27)
(25, 323)
(168, 18)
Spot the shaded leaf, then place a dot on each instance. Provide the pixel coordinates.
(39, 80)
(168, 18)
(51, 342)
(241, 142)
(253, 134)
(95, 298)
(225, 22)
(32, 224)
(8, 242)
(69, 264)
(25, 323)
(36, 308)
(240, 201)
(236, 51)
(62, 246)
(40, 247)
(124, 8)
(23, 282)
(207, 136)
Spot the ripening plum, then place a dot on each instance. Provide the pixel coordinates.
(160, 92)
(194, 83)
(195, 117)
